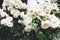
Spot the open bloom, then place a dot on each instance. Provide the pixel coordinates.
(28, 28)
(55, 21)
(45, 24)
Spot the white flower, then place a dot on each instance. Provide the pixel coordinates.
(51, 21)
(48, 8)
(5, 4)
(45, 24)
(35, 9)
(12, 11)
(55, 21)
(9, 8)
(3, 21)
(20, 21)
(3, 14)
(54, 24)
(27, 20)
(15, 13)
(54, 6)
(16, 3)
(28, 28)
(9, 24)
(42, 13)
(9, 19)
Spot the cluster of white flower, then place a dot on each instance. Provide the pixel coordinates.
(7, 22)
(35, 9)
(13, 6)
(43, 8)
(51, 21)
(13, 3)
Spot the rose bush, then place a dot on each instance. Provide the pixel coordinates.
(30, 20)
